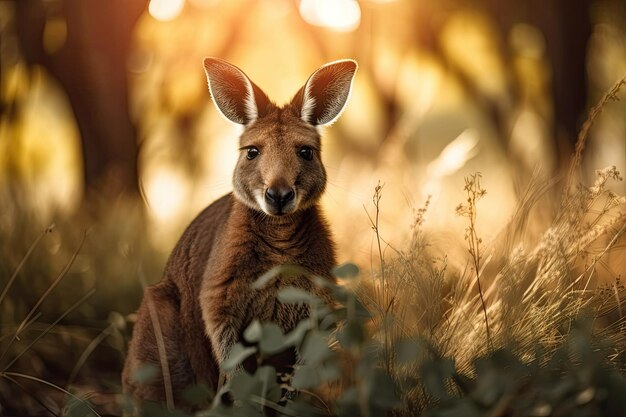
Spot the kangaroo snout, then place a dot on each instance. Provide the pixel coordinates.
(280, 199)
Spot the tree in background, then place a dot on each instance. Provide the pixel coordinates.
(90, 66)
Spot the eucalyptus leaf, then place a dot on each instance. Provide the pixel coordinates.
(294, 295)
(315, 348)
(117, 320)
(157, 410)
(296, 336)
(328, 372)
(273, 273)
(435, 375)
(305, 377)
(322, 282)
(272, 339)
(352, 334)
(349, 403)
(253, 332)
(329, 322)
(237, 355)
(197, 394)
(360, 311)
(265, 278)
(242, 385)
(145, 373)
(381, 391)
(347, 270)
(407, 351)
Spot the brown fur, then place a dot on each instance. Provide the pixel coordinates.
(205, 301)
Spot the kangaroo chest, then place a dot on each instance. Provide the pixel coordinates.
(243, 253)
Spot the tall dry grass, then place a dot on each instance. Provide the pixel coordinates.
(521, 291)
(67, 285)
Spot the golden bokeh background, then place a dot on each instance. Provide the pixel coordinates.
(106, 103)
(418, 119)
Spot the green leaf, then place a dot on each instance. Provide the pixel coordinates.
(264, 279)
(294, 295)
(272, 340)
(360, 311)
(407, 351)
(329, 322)
(261, 384)
(322, 282)
(242, 385)
(435, 375)
(347, 270)
(349, 403)
(157, 410)
(381, 391)
(329, 372)
(284, 270)
(352, 335)
(145, 373)
(197, 395)
(117, 320)
(253, 332)
(237, 355)
(315, 348)
(295, 337)
(305, 377)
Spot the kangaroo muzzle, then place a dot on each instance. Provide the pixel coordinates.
(280, 199)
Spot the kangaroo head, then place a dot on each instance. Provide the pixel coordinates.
(280, 169)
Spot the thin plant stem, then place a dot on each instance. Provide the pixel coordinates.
(88, 351)
(23, 261)
(58, 279)
(581, 141)
(386, 298)
(51, 326)
(474, 193)
(10, 375)
(158, 333)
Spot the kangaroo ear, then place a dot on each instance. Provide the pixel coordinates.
(234, 95)
(326, 92)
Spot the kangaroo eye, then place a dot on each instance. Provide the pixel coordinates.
(252, 153)
(306, 153)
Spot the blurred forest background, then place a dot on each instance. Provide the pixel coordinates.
(108, 133)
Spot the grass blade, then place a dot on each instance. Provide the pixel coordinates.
(23, 261)
(33, 396)
(50, 384)
(51, 326)
(88, 351)
(58, 279)
(158, 334)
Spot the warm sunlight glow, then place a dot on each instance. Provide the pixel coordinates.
(165, 10)
(455, 154)
(340, 15)
(451, 159)
(166, 193)
(204, 4)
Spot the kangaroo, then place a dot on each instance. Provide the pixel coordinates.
(204, 302)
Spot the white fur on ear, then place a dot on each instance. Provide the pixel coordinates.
(231, 91)
(327, 92)
(308, 104)
(251, 110)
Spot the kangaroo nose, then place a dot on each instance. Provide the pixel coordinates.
(279, 196)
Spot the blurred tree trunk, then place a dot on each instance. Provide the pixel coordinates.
(567, 28)
(91, 67)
